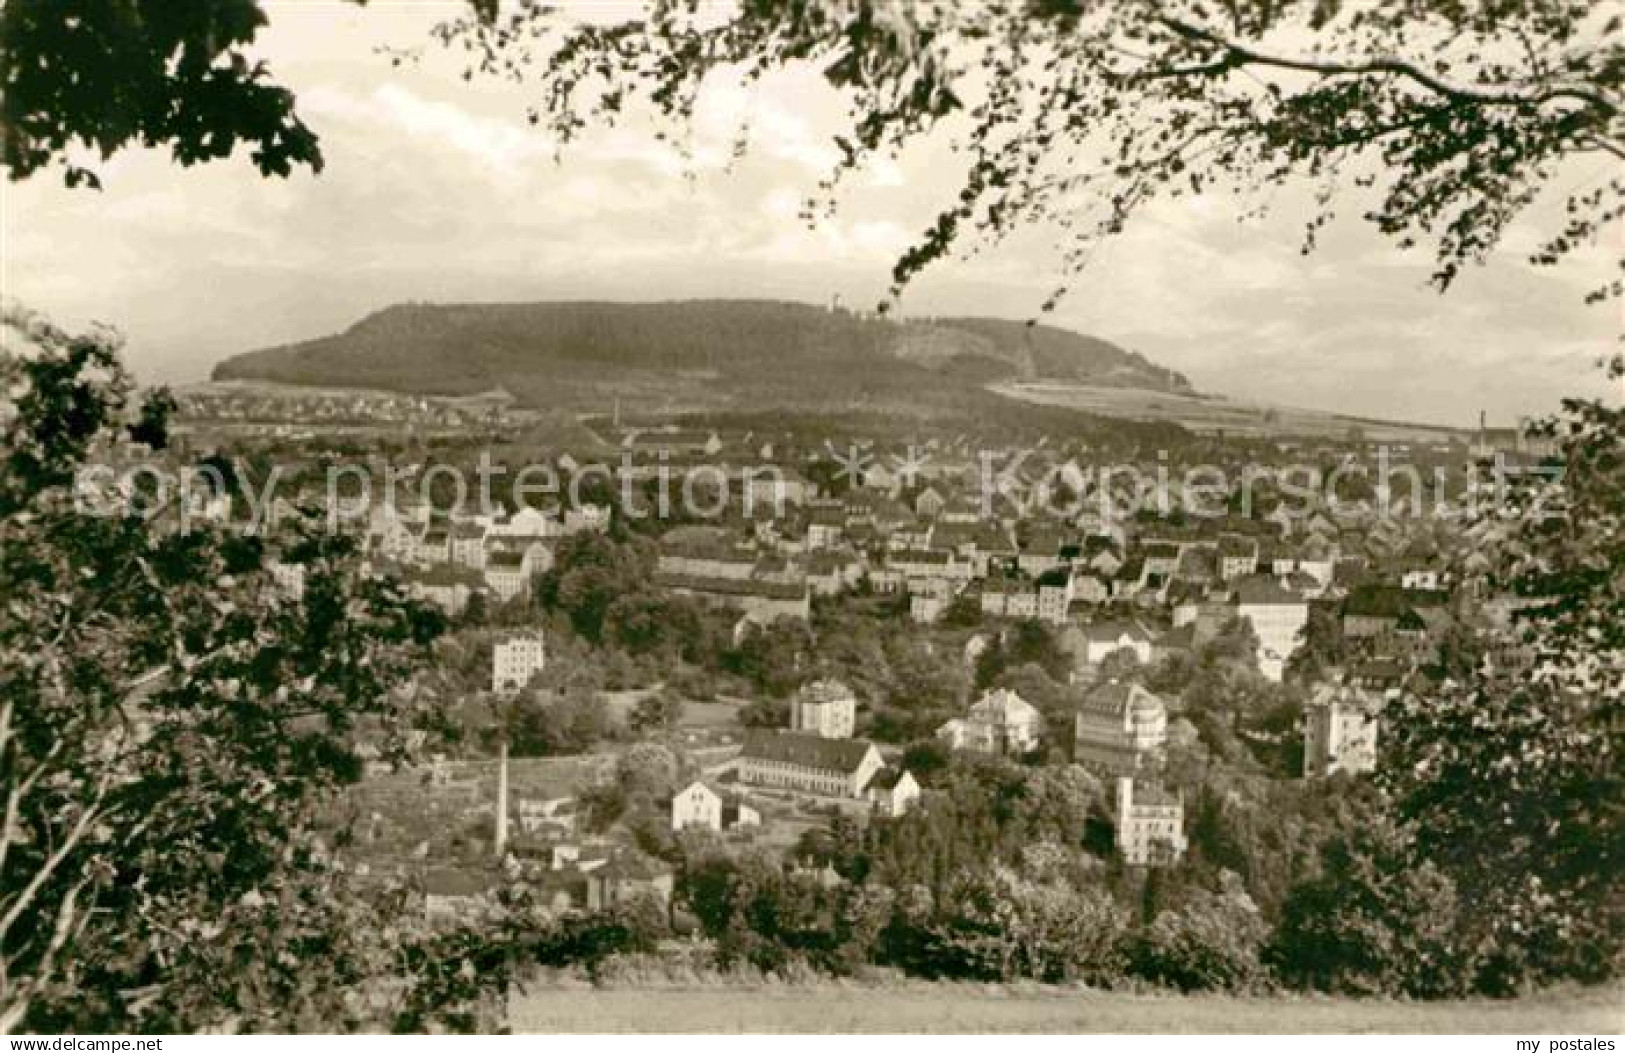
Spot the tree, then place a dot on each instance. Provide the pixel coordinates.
(1236, 643)
(1005, 925)
(1212, 942)
(1529, 756)
(770, 657)
(172, 734)
(104, 76)
(1121, 664)
(592, 577)
(660, 711)
(1372, 921)
(1447, 119)
(1030, 641)
(1059, 803)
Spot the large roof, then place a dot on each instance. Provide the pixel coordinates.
(807, 751)
(1263, 590)
(886, 778)
(1117, 697)
(1003, 704)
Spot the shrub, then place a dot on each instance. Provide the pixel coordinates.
(1212, 942)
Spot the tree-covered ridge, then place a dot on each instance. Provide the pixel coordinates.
(749, 352)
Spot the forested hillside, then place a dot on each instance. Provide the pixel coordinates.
(698, 353)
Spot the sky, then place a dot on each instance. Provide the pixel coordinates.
(436, 189)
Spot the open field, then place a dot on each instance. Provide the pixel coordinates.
(960, 1008)
(1208, 414)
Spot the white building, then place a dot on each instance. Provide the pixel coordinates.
(999, 722)
(1340, 731)
(892, 791)
(1119, 727)
(514, 662)
(826, 708)
(507, 575)
(587, 517)
(1419, 578)
(926, 610)
(701, 805)
(809, 763)
(1150, 825)
(1278, 615)
(1090, 645)
(1055, 600)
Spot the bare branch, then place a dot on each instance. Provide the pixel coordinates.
(91, 814)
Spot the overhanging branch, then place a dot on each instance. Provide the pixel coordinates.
(1237, 54)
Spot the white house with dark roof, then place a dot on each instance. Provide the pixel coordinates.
(892, 791)
(809, 763)
(1118, 728)
(1000, 722)
(700, 804)
(1278, 615)
(507, 575)
(1150, 824)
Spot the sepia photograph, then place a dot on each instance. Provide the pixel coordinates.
(802, 517)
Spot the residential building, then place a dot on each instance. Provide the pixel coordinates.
(1278, 615)
(507, 575)
(1150, 824)
(929, 563)
(1238, 556)
(514, 662)
(289, 579)
(761, 601)
(927, 609)
(809, 763)
(1055, 596)
(929, 503)
(627, 877)
(701, 805)
(1000, 722)
(825, 525)
(585, 518)
(433, 546)
(892, 791)
(1119, 727)
(1090, 644)
(826, 708)
(445, 586)
(467, 545)
(831, 573)
(672, 441)
(1419, 577)
(1340, 731)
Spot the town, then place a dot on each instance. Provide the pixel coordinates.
(842, 516)
(743, 639)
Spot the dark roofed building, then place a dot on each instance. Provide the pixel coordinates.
(1119, 725)
(810, 763)
(892, 790)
